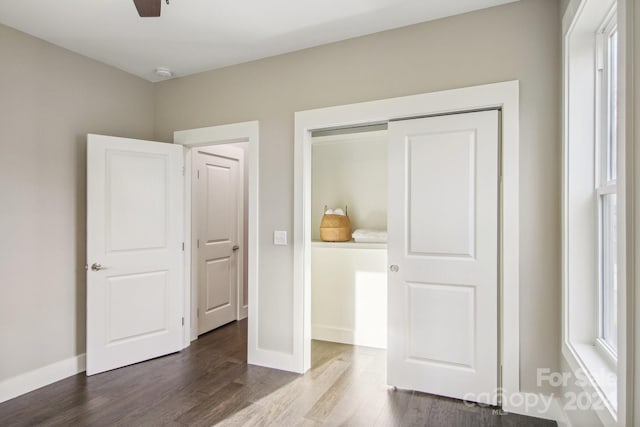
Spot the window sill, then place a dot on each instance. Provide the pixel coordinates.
(606, 354)
(592, 368)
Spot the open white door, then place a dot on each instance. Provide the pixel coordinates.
(134, 251)
(443, 255)
(217, 221)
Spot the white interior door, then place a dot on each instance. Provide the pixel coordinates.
(443, 255)
(134, 251)
(218, 221)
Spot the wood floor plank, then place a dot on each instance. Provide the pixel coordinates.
(354, 400)
(417, 412)
(395, 404)
(223, 403)
(286, 405)
(355, 408)
(210, 383)
(299, 401)
(339, 390)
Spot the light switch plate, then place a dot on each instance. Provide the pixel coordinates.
(280, 238)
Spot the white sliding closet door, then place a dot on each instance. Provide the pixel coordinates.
(443, 255)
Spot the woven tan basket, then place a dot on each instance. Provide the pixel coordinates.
(335, 228)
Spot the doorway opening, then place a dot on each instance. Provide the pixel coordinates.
(442, 290)
(348, 270)
(238, 136)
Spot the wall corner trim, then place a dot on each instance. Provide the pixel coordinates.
(37, 378)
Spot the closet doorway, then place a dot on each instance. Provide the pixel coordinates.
(435, 181)
(450, 343)
(348, 278)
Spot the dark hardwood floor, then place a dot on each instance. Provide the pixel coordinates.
(210, 383)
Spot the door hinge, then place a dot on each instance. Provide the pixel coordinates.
(198, 243)
(198, 174)
(183, 321)
(183, 246)
(198, 312)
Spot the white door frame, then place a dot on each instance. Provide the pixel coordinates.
(503, 95)
(216, 135)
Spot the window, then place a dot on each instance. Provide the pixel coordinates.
(607, 41)
(590, 200)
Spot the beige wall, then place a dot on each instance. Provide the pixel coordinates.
(517, 41)
(50, 99)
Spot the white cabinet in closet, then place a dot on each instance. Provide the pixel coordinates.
(349, 293)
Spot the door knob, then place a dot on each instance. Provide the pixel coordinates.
(235, 247)
(96, 267)
(394, 268)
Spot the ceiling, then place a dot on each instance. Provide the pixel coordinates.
(197, 35)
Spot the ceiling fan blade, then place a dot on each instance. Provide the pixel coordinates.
(148, 8)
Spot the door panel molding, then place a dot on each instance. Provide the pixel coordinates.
(443, 240)
(431, 319)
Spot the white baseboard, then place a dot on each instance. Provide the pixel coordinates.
(559, 414)
(33, 380)
(332, 334)
(346, 336)
(537, 405)
(274, 359)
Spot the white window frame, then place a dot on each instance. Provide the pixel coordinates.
(580, 218)
(604, 184)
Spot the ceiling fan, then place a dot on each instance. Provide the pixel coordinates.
(148, 8)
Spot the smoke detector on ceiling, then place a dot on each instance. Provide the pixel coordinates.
(163, 72)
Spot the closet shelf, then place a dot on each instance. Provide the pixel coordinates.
(347, 245)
